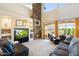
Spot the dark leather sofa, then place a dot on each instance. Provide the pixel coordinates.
(56, 40)
(17, 50)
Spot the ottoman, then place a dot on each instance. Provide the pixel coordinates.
(21, 50)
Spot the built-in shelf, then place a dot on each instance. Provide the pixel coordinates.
(6, 33)
(8, 23)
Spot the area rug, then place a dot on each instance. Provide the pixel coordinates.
(39, 47)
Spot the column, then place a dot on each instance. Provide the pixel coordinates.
(77, 27)
(37, 29)
(56, 28)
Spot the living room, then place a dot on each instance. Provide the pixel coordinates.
(28, 29)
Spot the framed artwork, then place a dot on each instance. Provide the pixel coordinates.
(24, 22)
(18, 22)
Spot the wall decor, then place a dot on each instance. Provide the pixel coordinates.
(18, 22)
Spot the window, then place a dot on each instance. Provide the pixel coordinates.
(52, 6)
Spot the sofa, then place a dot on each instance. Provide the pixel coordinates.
(57, 40)
(69, 47)
(8, 49)
(74, 47)
(61, 50)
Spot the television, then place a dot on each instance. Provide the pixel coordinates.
(21, 34)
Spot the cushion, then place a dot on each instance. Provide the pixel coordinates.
(74, 51)
(68, 39)
(73, 41)
(3, 42)
(7, 47)
(1, 50)
(74, 47)
(61, 50)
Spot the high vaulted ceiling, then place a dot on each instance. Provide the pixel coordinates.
(28, 5)
(67, 12)
(16, 9)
